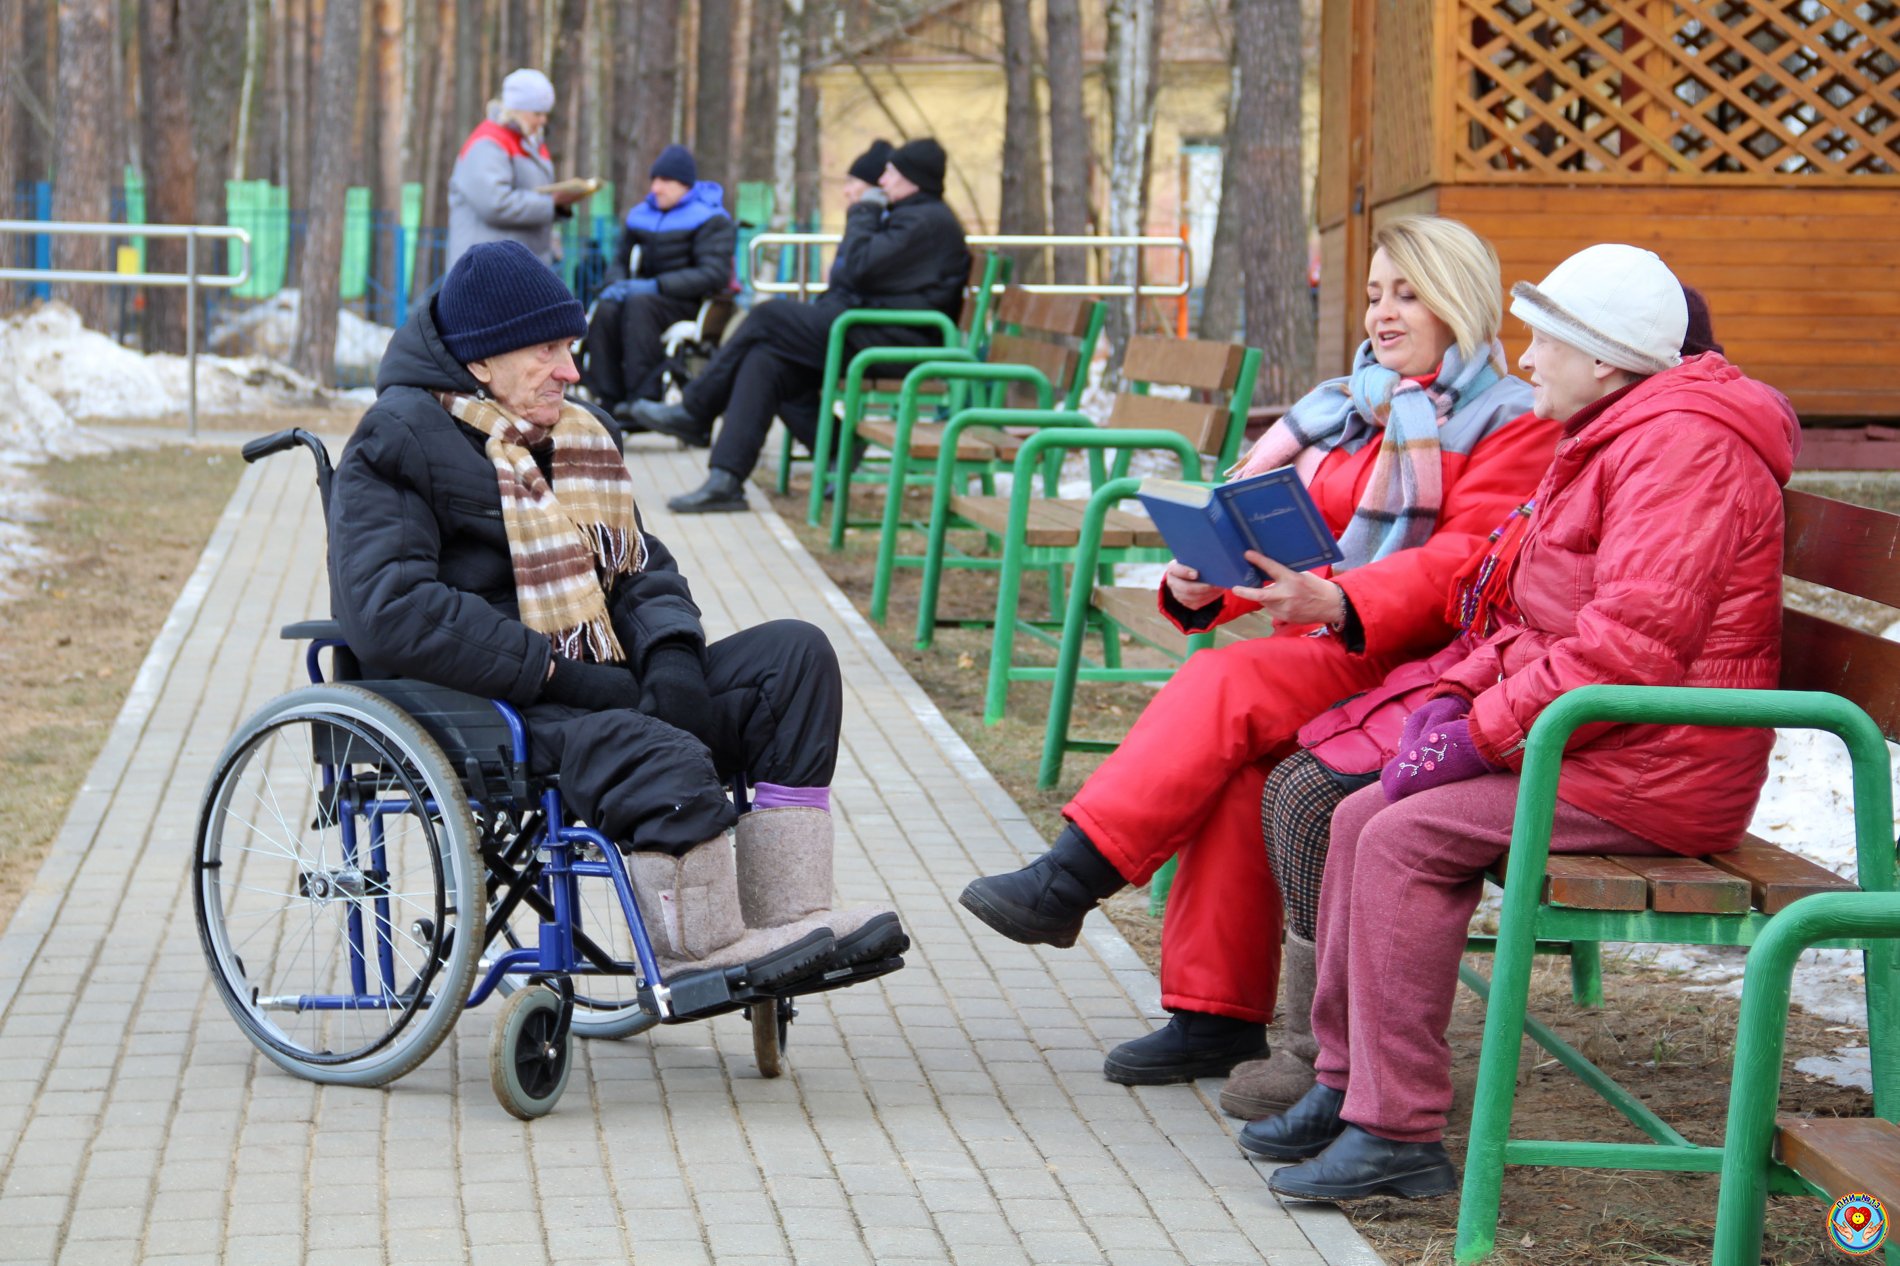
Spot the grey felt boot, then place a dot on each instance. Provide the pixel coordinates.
(690, 905)
(785, 875)
(1263, 1087)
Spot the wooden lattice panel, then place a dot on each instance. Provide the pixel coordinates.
(1402, 107)
(1648, 91)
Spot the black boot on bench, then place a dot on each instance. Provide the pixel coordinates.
(1045, 902)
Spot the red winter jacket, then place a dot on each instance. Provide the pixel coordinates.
(1654, 559)
(1400, 599)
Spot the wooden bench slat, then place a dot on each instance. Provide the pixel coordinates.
(1843, 1154)
(926, 440)
(1051, 523)
(1006, 443)
(1688, 885)
(1203, 425)
(1588, 882)
(1776, 877)
(1841, 546)
(1183, 362)
(1134, 609)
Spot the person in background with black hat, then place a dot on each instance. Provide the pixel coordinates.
(865, 171)
(675, 250)
(902, 248)
(484, 537)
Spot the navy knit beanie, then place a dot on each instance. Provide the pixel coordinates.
(675, 163)
(869, 165)
(921, 162)
(499, 298)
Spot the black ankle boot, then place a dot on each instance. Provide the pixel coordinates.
(723, 491)
(673, 420)
(1192, 1044)
(1303, 1130)
(1359, 1164)
(1045, 902)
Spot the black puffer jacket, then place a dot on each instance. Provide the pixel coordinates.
(686, 249)
(420, 575)
(909, 255)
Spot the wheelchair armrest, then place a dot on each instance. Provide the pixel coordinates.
(312, 631)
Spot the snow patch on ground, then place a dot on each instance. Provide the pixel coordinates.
(60, 367)
(268, 329)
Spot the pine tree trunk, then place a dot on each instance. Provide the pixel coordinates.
(12, 115)
(1226, 271)
(712, 97)
(568, 20)
(785, 110)
(244, 159)
(1131, 67)
(40, 84)
(313, 349)
(87, 165)
(758, 135)
(1068, 137)
(1268, 189)
(805, 158)
(1022, 208)
(172, 186)
(656, 94)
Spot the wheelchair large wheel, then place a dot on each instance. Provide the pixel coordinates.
(338, 897)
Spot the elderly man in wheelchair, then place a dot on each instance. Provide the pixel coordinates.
(491, 576)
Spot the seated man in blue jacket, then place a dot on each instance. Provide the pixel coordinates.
(484, 537)
(902, 248)
(675, 250)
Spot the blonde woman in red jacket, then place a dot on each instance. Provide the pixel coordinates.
(1411, 459)
(1653, 558)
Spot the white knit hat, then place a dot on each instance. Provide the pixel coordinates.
(1621, 304)
(528, 90)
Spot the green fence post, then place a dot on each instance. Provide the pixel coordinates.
(135, 207)
(410, 218)
(353, 281)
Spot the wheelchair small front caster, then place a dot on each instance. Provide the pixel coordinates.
(771, 1029)
(531, 1053)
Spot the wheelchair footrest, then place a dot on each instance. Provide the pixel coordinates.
(857, 973)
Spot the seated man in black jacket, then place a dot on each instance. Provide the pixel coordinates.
(902, 248)
(484, 537)
(675, 250)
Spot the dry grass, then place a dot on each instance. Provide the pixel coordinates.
(125, 531)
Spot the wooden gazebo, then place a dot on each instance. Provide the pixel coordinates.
(1756, 147)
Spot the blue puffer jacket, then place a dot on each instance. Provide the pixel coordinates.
(687, 250)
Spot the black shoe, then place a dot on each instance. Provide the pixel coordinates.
(722, 492)
(673, 420)
(1045, 902)
(1359, 1164)
(623, 414)
(881, 937)
(1190, 1045)
(1305, 1129)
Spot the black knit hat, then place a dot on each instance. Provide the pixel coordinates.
(498, 298)
(869, 165)
(921, 162)
(675, 163)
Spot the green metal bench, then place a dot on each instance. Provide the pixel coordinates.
(1834, 678)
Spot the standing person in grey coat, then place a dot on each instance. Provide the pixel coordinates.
(502, 163)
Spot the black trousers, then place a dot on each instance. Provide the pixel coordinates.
(623, 346)
(638, 780)
(774, 367)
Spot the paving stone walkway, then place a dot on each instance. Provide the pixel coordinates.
(954, 1112)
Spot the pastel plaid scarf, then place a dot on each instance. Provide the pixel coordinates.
(1399, 508)
(565, 549)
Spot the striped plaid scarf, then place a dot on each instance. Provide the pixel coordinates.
(565, 549)
(1399, 508)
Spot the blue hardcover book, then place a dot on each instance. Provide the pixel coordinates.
(1211, 529)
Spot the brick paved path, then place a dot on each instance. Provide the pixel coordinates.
(954, 1112)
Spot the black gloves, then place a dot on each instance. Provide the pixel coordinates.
(673, 688)
(579, 684)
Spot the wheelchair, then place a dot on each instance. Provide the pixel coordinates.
(686, 345)
(373, 856)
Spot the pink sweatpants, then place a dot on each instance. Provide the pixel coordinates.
(1401, 883)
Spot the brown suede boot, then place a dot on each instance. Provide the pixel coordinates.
(1264, 1087)
(785, 876)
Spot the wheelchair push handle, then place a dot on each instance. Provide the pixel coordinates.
(265, 445)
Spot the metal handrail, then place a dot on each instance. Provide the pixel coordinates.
(804, 286)
(190, 279)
